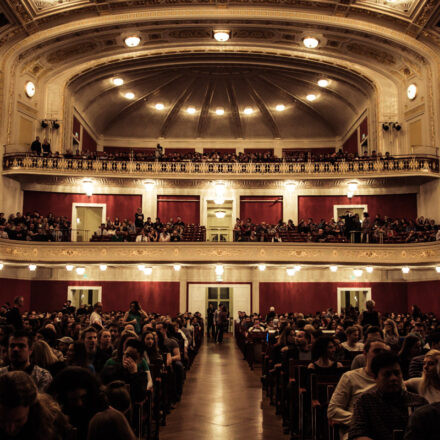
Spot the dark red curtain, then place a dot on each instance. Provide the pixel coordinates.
(267, 209)
(258, 150)
(88, 144)
(60, 204)
(187, 207)
(351, 144)
(392, 205)
(219, 150)
(76, 128)
(363, 128)
(179, 150)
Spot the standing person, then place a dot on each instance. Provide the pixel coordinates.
(221, 320)
(13, 317)
(46, 147)
(210, 315)
(135, 316)
(139, 218)
(370, 316)
(36, 146)
(95, 317)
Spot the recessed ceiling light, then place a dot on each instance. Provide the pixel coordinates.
(129, 95)
(219, 269)
(357, 272)
(311, 97)
(222, 35)
(103, 267)
(80, 270)
(177, 267)
(290, 271)
(323, 83)
(1, 266)
(159, 106)
(262, 267)
(69, 267)
(220, 214)
(437, 269)
(219, 111)
(369, 269)
(333, 268)
(148, 271)
(310, 42)
(32, 267)
(132, 41)
(280, 107)
(248, 111)
(191, 110)
(405, 269)
(117, 81)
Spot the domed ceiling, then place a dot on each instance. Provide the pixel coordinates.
(220, 97)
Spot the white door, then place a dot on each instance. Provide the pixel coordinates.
(88, 295)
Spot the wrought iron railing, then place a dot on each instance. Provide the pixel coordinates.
(77, 165)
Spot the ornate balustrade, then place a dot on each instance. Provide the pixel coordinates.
(404, 165)
(423, 254)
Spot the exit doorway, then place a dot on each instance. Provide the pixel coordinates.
(80, 295)
(219, 226)
(339, 210)
(353, 296)
(86, 219)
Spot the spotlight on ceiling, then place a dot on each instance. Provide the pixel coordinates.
(397, 126)
(248, 111)
(129, 95)
(385, 126)
(220, 111)
(44, 124)
(132, 41)
(262, 267)
(220, 214)
(221, 35)
(323, 83)
(117, 81)
(177, 267)
(69, 267)
(311, 42)
(32, 267)
(55, 125)
(333, 268)
(280, 108)
(191, 110)
(103, 267)
(80, 270)
(159, 106)
(405, 269)
(357, 272)
(311, 97)
(369, 269)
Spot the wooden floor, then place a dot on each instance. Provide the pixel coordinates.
(222, 400)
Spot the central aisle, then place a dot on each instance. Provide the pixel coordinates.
(222, 399)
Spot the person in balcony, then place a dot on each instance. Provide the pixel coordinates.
(164, 236)
(36, 146)
(46, 147)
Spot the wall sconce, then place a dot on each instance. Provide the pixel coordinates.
(149, 185)
(88, 187)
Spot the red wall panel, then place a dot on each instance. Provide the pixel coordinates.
(76, 128)
(351, 144)
(258, 150)
(11, 288)
(426, 295)
(88, 143)
(314, 297)
(267, 209)
(363, 128)
(161, 297)
(60, 204)
(219, 150)
(128, 150)
(187, 207)
(392, 205)
(315, 151)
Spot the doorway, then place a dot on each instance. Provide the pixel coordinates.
(86, 219)
(80, 295)
(339, 210)
(219, 227)
(353, 296)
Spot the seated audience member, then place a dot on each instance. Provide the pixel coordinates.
(351, 385)
(25, 413)
(352, 343)
(424, 424)
(110, 424)
(372, 332)
(78, 392)
(391, 334)
(428, 385)
(411, 347)
(417, 362)
(378, 412)
(257, 327)
(19, 352)
(63, 344)
(323, 355)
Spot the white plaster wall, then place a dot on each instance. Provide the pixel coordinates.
(12, 196)
(428, 200)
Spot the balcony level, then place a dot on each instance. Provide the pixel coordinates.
(399, 166)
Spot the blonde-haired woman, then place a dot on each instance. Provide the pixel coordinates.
(428, 385)
(390, 333)
(44, 357)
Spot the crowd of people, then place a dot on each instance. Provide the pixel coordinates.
(86, 374)
(158, 154)
(388, 367)
(348, 228)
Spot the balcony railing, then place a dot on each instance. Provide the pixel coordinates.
(402, 165)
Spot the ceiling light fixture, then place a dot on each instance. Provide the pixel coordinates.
(69, 267)
(405, 269)
(149, 184)
(141, 266)
(129, 95)
(103, 267)
(411, 92)
(262, 267)
(32, 267)
(333, 268)
(290, 271)
(117, 81)
(1, 266)
(159, 106)
(29, 89)
(88, 187)
(358, 272)
(191, 110)
(290, 185)
(220, 214)
(221, 35)
(437, 269)
(311, 97)
(219, 270)
(80, 270)
(177, 267)
(369, 269)
(323, 83)
(148, 271)
(280, 108)
(311, 42)
(220, 111)
(297, 268)
(132, 41)
(248, 111)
